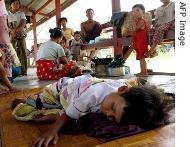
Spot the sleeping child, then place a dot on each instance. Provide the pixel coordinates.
(119, 100)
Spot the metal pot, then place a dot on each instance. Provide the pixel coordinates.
(116, 71)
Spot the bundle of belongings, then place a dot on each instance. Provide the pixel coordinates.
(124, 20)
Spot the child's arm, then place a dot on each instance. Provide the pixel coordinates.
(52, 133)
(138, 26)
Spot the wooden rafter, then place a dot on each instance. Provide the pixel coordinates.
(45, 5)
(43, 14)
(31, 3)
(52, 13)
(33, 11)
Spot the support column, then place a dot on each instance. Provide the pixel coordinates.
(58, 12)
(35, 36)
(116, 8)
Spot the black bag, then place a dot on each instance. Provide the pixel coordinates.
(118, 18)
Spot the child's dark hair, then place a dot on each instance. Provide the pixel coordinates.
(55, 33)
(139, 6)
(63, 18)
(145, 107)
(77, 32)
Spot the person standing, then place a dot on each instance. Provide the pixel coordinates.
(5, 53)
(68, 33)
(16, 24)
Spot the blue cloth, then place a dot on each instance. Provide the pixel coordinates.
(16, 71)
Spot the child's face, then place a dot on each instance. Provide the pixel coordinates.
(137, 12)
(58, 40)
(77, 37)
(63, 22)
(113, 105)
(15, 5)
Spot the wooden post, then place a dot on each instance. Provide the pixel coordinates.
(58, 12)
(35, 36)
(116, 8)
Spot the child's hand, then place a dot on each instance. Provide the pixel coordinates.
(45, 139)
(44, 118)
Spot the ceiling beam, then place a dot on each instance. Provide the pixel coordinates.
(52, 13)
(42, 7)
(33, 11)
(43, 14)
(31, 3)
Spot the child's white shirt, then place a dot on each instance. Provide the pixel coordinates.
(84, 95)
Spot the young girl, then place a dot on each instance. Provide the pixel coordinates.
(78, 96)
(165, 19)
(140, 36)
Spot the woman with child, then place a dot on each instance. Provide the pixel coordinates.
(52, 63)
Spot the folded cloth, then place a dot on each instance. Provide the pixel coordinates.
(97, 125)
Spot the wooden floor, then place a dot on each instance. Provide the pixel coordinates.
(21, 134)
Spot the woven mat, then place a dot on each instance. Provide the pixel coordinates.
(21, 134)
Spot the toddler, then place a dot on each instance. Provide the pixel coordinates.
(76, 45)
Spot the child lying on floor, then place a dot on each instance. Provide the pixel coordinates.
(78, 96)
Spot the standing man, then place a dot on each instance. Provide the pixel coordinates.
(16, 24)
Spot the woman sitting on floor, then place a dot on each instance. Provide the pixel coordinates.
(52, 63)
